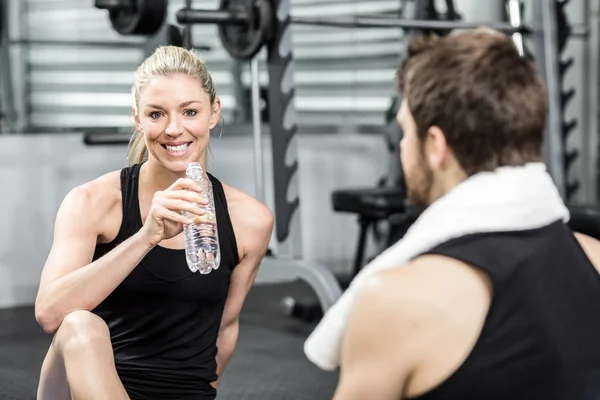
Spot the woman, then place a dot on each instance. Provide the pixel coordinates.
(130, 320)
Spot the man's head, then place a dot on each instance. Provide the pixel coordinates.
(470, 103)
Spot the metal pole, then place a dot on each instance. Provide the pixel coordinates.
(8, 114)
(259, 175)
(191, 16)
(546, 12)
(366, 22)
(514, 16)
(229, 17)
(187, 29)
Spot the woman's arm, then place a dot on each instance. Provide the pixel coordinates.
(69, 281)
(255, 226)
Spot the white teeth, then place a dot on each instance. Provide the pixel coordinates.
(177, 149)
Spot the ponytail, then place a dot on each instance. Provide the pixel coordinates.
(137, 151)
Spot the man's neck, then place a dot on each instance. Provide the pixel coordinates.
(444, 183)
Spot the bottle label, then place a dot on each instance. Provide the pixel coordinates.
(208, 218)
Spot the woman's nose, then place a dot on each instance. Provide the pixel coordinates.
(175, 127)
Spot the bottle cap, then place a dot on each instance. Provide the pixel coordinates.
(194, 170)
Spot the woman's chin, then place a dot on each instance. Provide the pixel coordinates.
(178, 165)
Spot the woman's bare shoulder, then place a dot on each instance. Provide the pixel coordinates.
(246, 207)
(99, 200)
(251, 218)
(103, 191)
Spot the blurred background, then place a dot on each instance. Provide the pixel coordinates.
(65, 118)
(66, 73)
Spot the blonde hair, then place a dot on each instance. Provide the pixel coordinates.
(165, 61)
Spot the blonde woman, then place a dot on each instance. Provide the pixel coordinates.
(129, 319)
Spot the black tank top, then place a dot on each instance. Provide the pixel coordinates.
(163, 319)
(540, 339)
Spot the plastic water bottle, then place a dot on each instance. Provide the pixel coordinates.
(201, 237)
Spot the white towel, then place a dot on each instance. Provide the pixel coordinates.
(508, 199)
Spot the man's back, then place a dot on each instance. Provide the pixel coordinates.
(490, 316)
(538, 338)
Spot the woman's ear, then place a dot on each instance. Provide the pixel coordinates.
(136, 119)
(216, 113)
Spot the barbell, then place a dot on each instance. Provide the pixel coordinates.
(135, 17)
(246, 25)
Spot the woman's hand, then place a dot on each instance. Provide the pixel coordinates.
(165, 218)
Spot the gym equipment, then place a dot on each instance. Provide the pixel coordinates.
(287, 261)
(243, 40)
(246, 25)
(8, 110)
(373, 205)
(360, 202)
(564, 33)
(585, 219)
(247, 13)
(167, 34)
(227, 16)
(231, 16)
(135, 17)
(377, 207)
(186, 31)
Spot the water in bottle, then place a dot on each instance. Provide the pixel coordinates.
(201, 237)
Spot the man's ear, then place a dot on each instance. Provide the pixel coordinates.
(436, 147)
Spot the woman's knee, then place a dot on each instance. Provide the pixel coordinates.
(81, 329)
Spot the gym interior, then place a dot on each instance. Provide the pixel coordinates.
(332, 176)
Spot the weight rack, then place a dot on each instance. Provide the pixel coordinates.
(570, 156)
(544, 34)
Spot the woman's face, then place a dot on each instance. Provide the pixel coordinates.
(175, 117)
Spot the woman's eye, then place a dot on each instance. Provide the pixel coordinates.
(190, 113)
(154, 114)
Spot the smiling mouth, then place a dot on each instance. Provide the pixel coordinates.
(176, 150)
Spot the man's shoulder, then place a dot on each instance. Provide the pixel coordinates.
(431, 279)
(434, 293)
(591, 247)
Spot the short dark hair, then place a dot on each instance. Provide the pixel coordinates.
(490, 102)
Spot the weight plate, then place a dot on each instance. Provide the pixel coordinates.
(174, 36)
(244, 41)
(428, 10)
(140, 17)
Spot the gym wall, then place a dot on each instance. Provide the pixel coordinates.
(78, 86)
(344, 81)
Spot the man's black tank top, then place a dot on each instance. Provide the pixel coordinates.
(163, 319)
(541, 336)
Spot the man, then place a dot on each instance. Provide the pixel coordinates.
(496, 315)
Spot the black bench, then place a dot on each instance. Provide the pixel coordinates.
(585, 219)
(371, 205)
(389, 204)
(377, 204)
